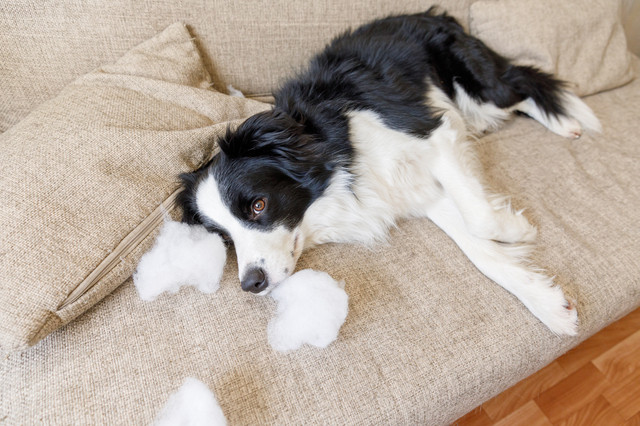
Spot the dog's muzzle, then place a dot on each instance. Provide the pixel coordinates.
(254, 280)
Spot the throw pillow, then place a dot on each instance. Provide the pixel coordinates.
(86, 178)
(579, 41)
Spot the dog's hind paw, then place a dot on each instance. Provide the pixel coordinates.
(571, 124)
(566, 127)
(515, 228)
(504, 225)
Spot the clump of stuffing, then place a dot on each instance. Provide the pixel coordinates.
(192, 405)
(234, 92)
(182, 255)
(312, 307)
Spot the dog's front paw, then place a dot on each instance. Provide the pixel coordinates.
(548, 303)
(562, 319)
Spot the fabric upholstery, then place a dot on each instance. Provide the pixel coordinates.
(581, 42)
(250, 44)
(427, 337)
(82, 174)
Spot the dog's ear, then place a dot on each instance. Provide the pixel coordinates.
(284, 141)
(258, 135)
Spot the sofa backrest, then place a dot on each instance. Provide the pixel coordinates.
(251, 45)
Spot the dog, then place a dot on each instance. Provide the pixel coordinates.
(377, 128)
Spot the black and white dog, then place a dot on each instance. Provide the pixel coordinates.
(376, 129)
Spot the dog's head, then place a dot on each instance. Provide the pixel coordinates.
(255, 192)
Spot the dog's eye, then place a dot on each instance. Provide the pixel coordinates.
(258, 206)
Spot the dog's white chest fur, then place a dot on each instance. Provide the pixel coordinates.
(390, 178)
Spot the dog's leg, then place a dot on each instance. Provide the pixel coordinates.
(479, 117)
(504, 264)
(500, 87)
(454, 166)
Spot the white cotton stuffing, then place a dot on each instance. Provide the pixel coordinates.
(234, 92)
(312, 307)
(182, 255)
(192, 405)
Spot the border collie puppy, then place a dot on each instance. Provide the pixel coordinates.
(376, 129)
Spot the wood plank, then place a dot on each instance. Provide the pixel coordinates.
(633, 421)
(528, 414)
(597, 412)
(624, 395)
(572, 393)
(526, 390)
(476, 417)
(600, 342)
(621, 360)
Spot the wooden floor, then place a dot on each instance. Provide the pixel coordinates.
(596, 383)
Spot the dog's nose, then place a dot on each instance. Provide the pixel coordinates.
(255, 280)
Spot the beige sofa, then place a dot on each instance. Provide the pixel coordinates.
(427, 337)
